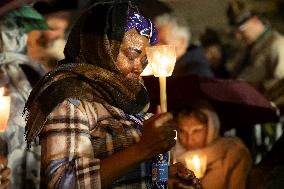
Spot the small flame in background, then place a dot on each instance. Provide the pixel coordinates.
(1, 91)
(5, 102)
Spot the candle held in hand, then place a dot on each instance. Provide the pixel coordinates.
(162, 60)
(4, 110)
(197, 164)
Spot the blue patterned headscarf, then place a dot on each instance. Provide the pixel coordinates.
(143, 25)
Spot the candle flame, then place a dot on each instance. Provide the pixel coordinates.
(4, 110)
(3, 100)
(196, 162)
(162, 59)
(1, 91)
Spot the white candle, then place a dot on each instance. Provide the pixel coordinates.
(4, 110)
(163, 94)
(197, 164)
(162, 59)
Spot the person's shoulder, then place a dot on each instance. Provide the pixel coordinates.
(73, 103)
(195, 50)
(277, 40)
(236, 147)
(82, 104)
(234, 141)
(276, 34)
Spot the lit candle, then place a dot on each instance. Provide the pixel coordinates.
(162, 59)
(197, 164)
(4, 110)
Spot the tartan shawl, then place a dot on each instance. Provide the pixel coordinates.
(89, 70)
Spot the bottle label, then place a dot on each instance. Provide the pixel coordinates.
(159, 172)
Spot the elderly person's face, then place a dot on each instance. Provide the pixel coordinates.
(191, 132)
(57, 27)
(167, 36)
(132, 55)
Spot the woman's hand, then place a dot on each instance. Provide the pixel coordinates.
(158, 135)
(4, 173)
(182, 178)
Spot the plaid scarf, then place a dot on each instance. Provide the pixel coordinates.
(89, 70)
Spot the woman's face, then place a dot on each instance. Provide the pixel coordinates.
(132, 59)
(191, 132)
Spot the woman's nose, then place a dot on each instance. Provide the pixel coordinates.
(190, 139)
(137, 67)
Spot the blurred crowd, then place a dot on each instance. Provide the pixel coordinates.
(33, 34)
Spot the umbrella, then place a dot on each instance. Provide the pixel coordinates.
(236, 102)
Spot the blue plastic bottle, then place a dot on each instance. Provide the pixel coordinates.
(159, 171)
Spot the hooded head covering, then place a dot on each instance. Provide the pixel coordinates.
(213, 123)
(143, 25)
(89, 70)
(213, 126)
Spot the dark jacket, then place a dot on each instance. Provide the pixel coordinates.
(193, 62)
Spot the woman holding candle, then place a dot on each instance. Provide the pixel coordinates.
(228, 160)
(89, 113)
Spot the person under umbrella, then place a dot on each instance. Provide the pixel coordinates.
(237, 103)
(228, 159)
